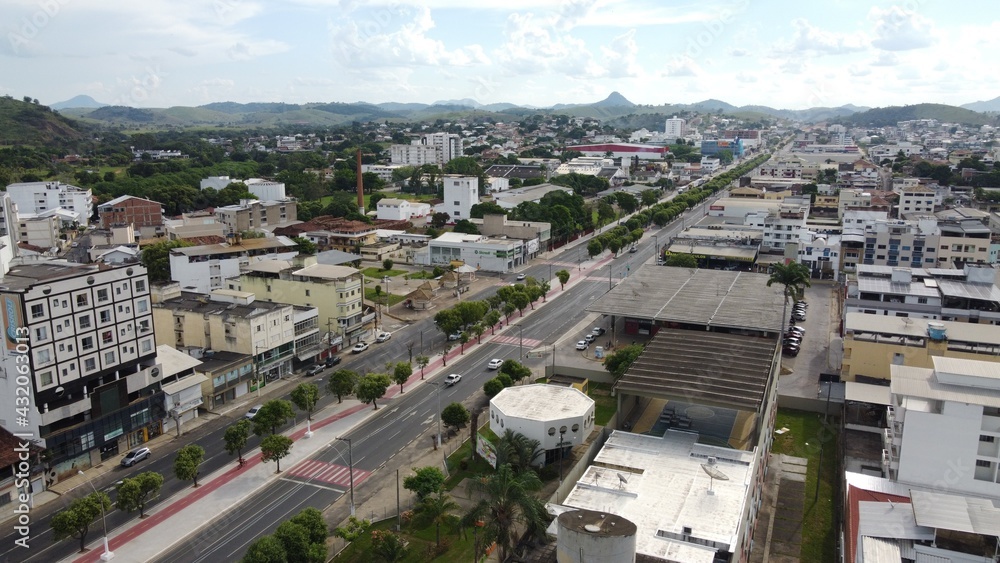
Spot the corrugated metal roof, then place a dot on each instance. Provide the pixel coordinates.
(957, 513)
(981, 291)
(890, 520)
(922, 384)
(949, 369)
(878, 550)
(881, 285)
(917, 328)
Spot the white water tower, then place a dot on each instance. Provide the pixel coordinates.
(585, 536)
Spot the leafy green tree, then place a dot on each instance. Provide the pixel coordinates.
(273, 415)
(605, 213)
(342, 382)
(508, 310)
(305, 396)
(74, 521)
(455, 416)
(274, 447)
(424, 482)
(492, 387)
(134, 493)
(507, 506)
(354, 529)
(371, 387)
(401, 373)
(563, 276)
(618, 362)
(480, 210)
(465, 226)
(520, 300)
(304, 245)
(188, 462)
(682, 261)
(303, 537)
(478, 329)
(267, 549)
(649, 197)
(422, 361)
(387, 264)
(436, 509)
(236, 437)
(627, 202)
(594, 247)
(463, 339)
(449, 321)
(515, 370)
(156, 258)
(491, 319)
(439, 219)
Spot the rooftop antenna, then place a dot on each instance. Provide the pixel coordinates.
(713, 474)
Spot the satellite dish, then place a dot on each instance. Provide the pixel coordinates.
(713, 474)
(622, 481)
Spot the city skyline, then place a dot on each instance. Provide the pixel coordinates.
(540, 53)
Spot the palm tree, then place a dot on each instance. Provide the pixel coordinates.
(436, 509)
(517, 450)
(506, 503)
(794, 277)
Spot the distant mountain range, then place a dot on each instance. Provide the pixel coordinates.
(615, 109)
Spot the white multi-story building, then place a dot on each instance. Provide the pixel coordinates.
(915, 200)
(205, 268)
(460, 194)
(853, 199)
(821, 254)
(710, 164)
(782, 225)
(38, 197)
(674, 128)
(383, 171)
(40, 231)
(944, 426)
(432, 148)
(558, 417)
(83, 338)
(8, 232)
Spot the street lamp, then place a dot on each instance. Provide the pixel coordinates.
(350, 469)
(438, 385)
(562, 432)
(108, 555)
(656, 243)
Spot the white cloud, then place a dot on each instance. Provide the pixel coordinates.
(738, 52)
(809, 38)
(682, 66)
(366, 45)
(885, 58)
(620, 56)
(532, 45)
(857, 71)
(746, 77)
(898, 29)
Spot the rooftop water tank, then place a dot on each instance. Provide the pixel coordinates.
(936, 331)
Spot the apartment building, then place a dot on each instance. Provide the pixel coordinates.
(460, 194)
(963, 242)
(674, 128)
(38, 197)
(205, 268)
(255, 215)
(915, 200)
(875, 343)
(279, 336)
(967, 295)
(85, 334)
(949, 410)
(40, 231)
(431, 148)
(335, 291)
(853, 199)
(902, 243)
(145, 216)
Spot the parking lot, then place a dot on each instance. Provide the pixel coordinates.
(821, 348)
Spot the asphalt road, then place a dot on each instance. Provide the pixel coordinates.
(321, 478)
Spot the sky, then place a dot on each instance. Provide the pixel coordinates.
(784, 54)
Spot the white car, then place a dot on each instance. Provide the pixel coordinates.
(522, 277)
(135, 456)
(455, 336)
(254, 410)
(582, 345)
(359, 347)
(495, 363)
(452, 379)
(383, 336)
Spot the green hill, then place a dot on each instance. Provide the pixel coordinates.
(23, 123)
(881, 117)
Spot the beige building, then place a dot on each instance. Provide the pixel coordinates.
(874, 343)
(234, 321)
(256, 215)
(963, 242)
(42, 232)
(335, 291)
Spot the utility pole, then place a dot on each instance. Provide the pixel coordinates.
(350, 468)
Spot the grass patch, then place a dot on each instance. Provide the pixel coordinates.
(422, 275)
(421, 544)
(393, 297)
(472, 467)
(807, 436)
(605, 405)
(376, 274)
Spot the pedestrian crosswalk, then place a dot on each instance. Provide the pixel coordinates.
(515, 341)
(333, 473)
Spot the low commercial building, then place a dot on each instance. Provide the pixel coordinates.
(393, 209)
(512, 198)
(255, 215)
(560, 418)
(718, 248)
(333, 233)
(968, 295)
(181, 385)
(502, 226)
(479, 251)
(875, 343)
(144, 215)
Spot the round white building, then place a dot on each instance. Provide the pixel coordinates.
(558, 417)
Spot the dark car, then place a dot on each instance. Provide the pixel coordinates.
(332, 361)
(135, 456)
(314, 369)
(790, 351)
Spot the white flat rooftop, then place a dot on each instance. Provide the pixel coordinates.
(541, 401)
(661, 486)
